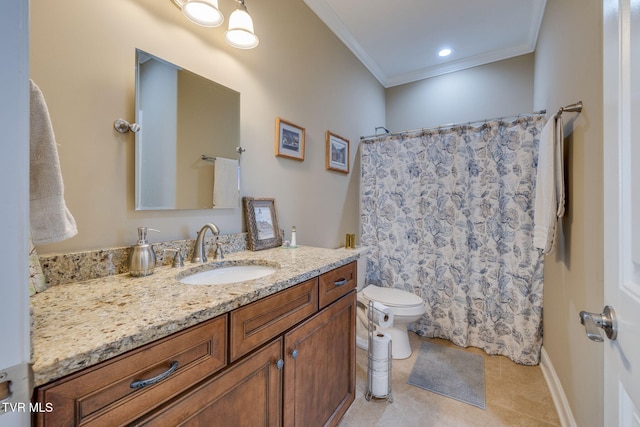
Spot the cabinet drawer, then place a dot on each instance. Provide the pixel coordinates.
(336, 283)
(246, 394)
(103, 396)
(258, 322)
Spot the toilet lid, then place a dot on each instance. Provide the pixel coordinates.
(391, 297)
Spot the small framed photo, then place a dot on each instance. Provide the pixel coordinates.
(262, 223)
(289, 140)
(337, 153)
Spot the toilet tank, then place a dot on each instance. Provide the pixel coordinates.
(361, 264)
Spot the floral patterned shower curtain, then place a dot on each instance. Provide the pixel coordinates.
(448, 214)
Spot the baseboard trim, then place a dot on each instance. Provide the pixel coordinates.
(557, 392)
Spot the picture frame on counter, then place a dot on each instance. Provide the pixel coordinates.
(261, 217)
(289, 140)
(338, 153)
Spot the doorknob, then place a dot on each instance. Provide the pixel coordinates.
(605, 320)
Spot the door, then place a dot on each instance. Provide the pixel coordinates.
(319, 366)
(621, 154)
(14, 213)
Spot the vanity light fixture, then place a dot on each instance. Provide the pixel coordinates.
(240, 33)
(201, 12)
(206, 13)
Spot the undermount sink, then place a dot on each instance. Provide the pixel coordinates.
(228, 274)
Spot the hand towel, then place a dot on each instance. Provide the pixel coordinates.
(225, 183)
(559, 161)
(545, 205)
(549, 187)
(51, 221)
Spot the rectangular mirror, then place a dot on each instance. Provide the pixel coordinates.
(183, 117)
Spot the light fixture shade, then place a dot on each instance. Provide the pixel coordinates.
(240, 33)
(203, 12)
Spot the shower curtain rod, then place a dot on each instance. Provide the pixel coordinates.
(450, 125)
(577, 107)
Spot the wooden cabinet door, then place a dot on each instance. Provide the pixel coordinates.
(319, 368)
(247, 394)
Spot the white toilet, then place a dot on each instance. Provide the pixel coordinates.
(406, 308)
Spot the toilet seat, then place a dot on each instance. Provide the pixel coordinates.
(402, 303)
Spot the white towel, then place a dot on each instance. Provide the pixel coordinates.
(559, 161)
(549, 201)
(225, 183)
(51, 221)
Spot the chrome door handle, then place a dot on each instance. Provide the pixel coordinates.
(605, 320)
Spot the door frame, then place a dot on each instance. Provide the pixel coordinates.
(14, 213)
(620, 285)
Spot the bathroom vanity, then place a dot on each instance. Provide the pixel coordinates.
(279, 350)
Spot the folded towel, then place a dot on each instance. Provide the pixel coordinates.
(225, 183)
(51, 221)
(549, 199)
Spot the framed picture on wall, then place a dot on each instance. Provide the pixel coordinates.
(289, 140)
(337, 153)
(263, 231)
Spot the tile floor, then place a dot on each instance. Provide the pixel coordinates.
(516, 395)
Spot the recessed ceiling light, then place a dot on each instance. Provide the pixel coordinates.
(445, 52)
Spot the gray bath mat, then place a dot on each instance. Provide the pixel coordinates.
(450, 372)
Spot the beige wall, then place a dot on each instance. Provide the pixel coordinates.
(83, 57)
(498, 89)
(568, 69)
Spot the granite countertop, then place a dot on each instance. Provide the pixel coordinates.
(80, 324)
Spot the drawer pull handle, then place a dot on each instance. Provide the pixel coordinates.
(340, 282)
(154, 380)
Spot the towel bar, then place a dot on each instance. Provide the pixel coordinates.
(571, 108)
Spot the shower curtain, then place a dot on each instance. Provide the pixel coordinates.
(448, 214)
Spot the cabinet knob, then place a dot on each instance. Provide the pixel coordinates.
(279, 363)
(294, 353)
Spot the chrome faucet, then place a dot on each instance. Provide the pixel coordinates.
(199, 253)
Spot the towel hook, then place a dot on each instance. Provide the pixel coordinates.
(123, 126)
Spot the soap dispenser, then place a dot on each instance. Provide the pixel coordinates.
(142, 257)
